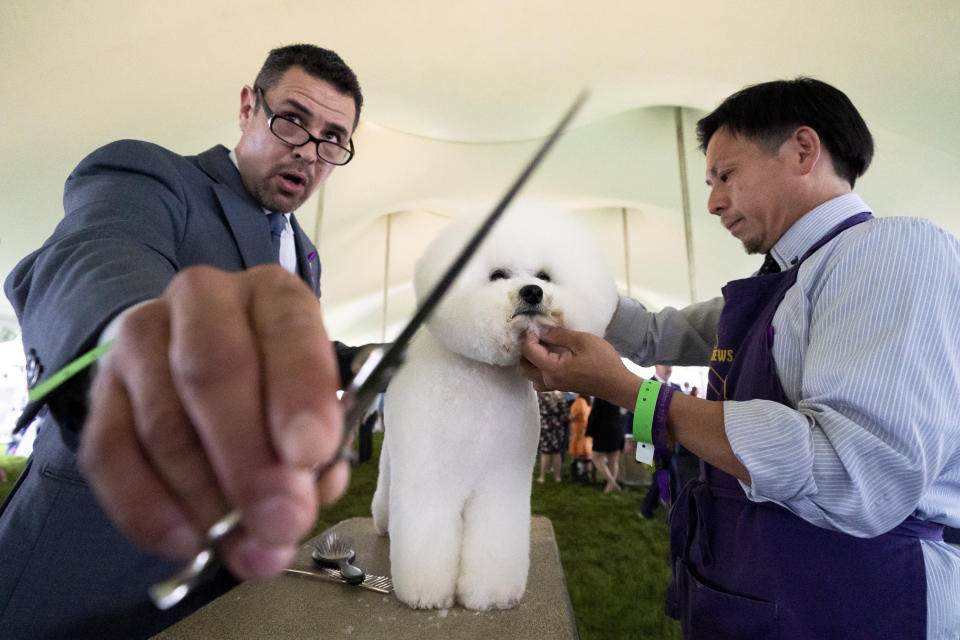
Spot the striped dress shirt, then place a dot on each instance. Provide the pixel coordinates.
(867, 347)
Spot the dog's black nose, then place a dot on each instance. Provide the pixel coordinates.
(531, 294)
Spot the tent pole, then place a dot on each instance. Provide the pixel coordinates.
(626, 249)
(685, 200)
(386, 278)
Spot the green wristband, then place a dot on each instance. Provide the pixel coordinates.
(645, 409)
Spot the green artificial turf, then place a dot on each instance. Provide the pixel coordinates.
(12, 468)
(615, 563)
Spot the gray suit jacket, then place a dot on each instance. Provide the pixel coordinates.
(135, 215)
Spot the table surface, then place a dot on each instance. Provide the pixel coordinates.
(290, 606)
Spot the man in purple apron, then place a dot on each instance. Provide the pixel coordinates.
(825, 483)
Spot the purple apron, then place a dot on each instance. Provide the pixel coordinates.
(744, 570)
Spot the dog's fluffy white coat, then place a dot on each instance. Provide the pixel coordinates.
(461, 422)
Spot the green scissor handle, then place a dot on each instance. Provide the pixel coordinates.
(36, 396)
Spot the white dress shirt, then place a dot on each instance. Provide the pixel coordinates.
(288, 248)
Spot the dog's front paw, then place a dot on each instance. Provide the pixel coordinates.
(423, 595)
(490, 591)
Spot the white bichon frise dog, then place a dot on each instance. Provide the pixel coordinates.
(461, 422)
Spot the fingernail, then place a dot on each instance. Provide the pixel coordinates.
(274, 520)
(294, 441)
(181, 541)
(258, 560)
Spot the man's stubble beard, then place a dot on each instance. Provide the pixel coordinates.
(274, 203)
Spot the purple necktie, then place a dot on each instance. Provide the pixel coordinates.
(769, 266)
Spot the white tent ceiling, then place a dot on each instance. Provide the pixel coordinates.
(457, 95)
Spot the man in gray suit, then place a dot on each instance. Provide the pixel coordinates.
(219, 391)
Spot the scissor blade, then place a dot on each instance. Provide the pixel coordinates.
(366, 384)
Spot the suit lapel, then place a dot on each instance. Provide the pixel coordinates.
(246, 219)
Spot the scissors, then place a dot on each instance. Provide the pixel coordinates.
(369, 380)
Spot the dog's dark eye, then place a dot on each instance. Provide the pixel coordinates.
(543, 275)
(499, 274)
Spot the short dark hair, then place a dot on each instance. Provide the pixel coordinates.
(770, 112)
(318, 62)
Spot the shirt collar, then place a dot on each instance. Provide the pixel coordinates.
(233, 158)
(813, 225)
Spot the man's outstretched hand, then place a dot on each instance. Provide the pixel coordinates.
(219, 395)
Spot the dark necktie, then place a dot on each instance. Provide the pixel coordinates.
(277, 224)
(769, 266)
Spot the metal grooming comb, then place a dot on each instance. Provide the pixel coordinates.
(380, 584)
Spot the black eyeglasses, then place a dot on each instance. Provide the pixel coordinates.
(292, 133)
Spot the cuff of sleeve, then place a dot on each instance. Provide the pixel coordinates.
(773, 442)
(625, 326)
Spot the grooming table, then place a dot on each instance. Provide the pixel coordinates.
(294, 607)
